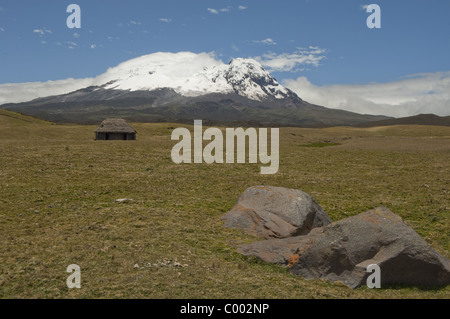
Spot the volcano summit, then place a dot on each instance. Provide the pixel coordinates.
(184, 86)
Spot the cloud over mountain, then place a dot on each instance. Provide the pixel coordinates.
(416, 94)
(22, 92)
(186, 71)
(292, 62)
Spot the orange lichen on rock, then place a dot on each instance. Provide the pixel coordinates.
(293, 259)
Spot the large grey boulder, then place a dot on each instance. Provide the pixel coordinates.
(275, 212)
(343, 250)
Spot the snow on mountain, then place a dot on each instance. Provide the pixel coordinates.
(249, 79)
(192, 74)
(189, 74)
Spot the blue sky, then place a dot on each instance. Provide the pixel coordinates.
(36, 44)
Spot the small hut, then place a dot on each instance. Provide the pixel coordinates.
(115, 129)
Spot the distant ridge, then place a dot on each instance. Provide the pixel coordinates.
(421, 119)
(7, 117)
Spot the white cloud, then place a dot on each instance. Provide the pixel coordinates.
(242, 8)
(93, 46)
(21, 92)
(222, 10)
(267, 41)
(135, 23)
(71, 44)
(167, 20)
(292, 62)
(1, 29)
(42, 31)
(418, 94)
(76, 35)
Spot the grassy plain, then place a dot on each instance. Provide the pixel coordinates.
(57, 207)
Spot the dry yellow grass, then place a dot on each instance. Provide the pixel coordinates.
(57, 207)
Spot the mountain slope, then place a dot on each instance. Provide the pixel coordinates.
(8, 118)
(186, 86)
(90, 106)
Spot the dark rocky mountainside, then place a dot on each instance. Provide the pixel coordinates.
(93, 104)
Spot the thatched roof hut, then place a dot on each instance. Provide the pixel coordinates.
(115, 129)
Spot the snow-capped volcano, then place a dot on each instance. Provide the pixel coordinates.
(191, 74)
(180, 87)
